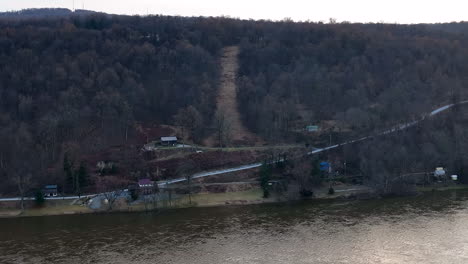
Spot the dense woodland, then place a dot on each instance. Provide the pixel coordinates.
(366, 76)
(80, 84)
(77, 84)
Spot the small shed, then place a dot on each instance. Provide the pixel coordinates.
(168, 141)
(50, 190)
(312, 128)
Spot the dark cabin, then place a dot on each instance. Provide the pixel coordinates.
(168, 141)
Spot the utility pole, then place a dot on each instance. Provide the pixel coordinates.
(345, 169)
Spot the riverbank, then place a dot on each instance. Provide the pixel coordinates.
(247, 197)
(442, 188)
(252, 196)
(54, 207)
(49, 208)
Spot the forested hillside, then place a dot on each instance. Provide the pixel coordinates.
(362, 76)
(84, 82)
(76, 85)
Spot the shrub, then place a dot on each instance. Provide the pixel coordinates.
(39, 198)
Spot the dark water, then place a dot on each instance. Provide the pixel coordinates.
(432, 228)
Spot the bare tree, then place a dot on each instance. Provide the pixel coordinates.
(112, 197)
(126, 118)
(169, 195)
(155, 195)
(191, 121)
(111, 188)
(21, 161)
(146, 197)
(306, 174)
(186, 169)
(189, 178)
(151, 197)
(23, 182)
(222, 126)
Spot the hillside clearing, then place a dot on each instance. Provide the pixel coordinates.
(226, 101)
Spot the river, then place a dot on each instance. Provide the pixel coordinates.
(431, 228)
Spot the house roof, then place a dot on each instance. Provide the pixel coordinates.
(50, 187)
(144, 182)
(168, 138)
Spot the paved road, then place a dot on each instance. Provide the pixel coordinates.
(162, 184)
(319, 150)
(47, 198)
(211, 173)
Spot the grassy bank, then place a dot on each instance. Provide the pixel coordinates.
(56, 207)
(57, 210)
(197, 200)
(214, 199)
(442, 188)
(6, 213)
(252, 196)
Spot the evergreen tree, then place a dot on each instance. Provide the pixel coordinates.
(82, 175)
(39, 198)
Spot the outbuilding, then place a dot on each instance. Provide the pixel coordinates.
(168, 141)
(50, 190)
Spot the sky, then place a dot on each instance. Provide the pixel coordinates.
(389, 11)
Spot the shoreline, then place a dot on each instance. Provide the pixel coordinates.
(206, 200)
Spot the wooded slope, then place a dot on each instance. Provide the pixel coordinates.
(80, 84)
